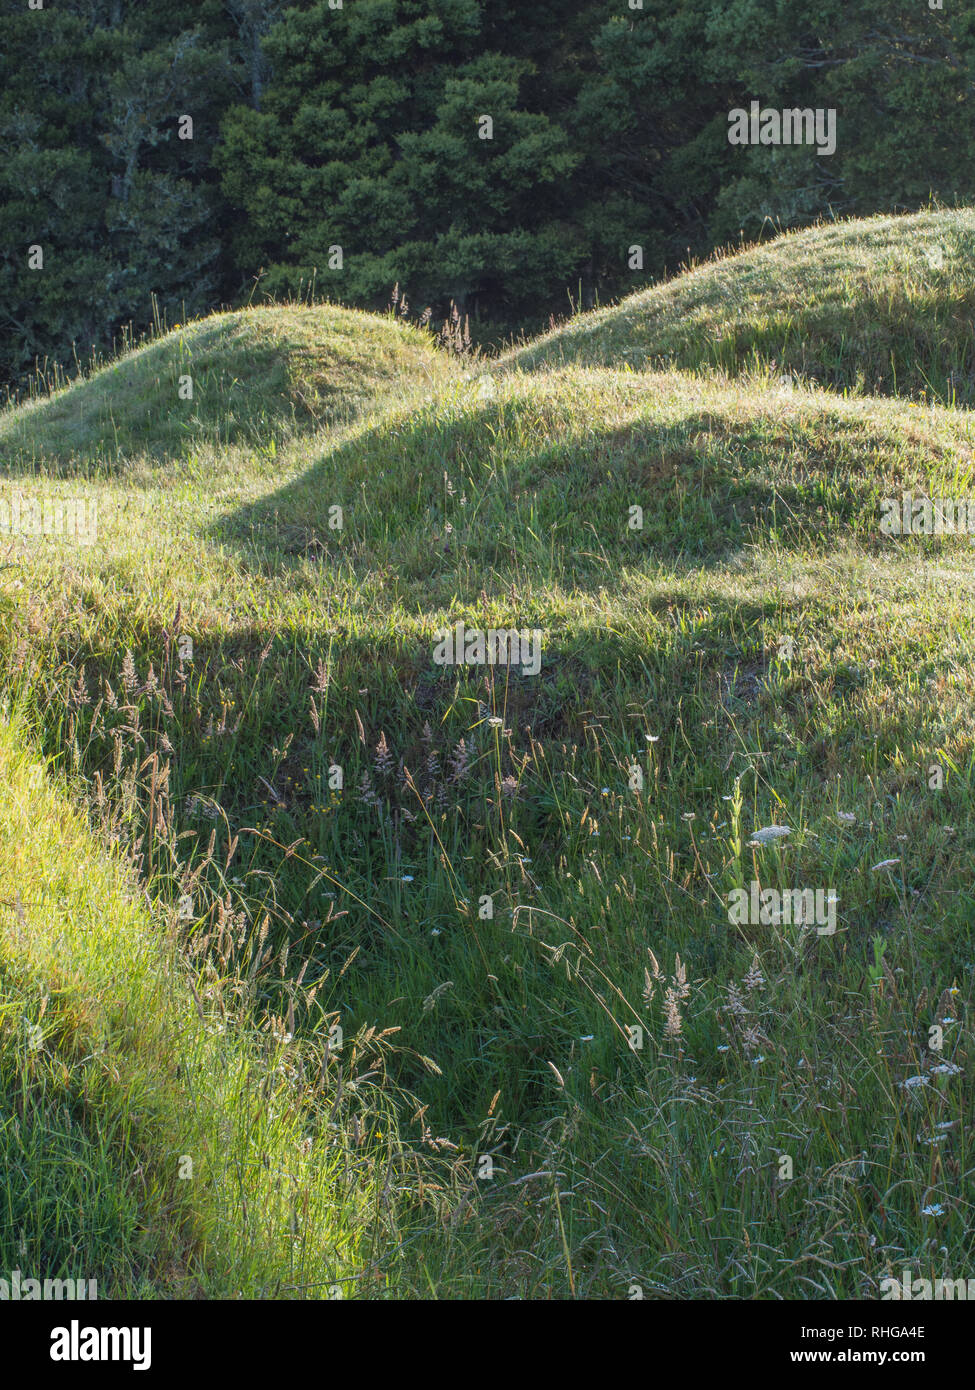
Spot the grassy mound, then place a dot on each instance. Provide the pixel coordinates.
(259, 377)
(880, 306)
(523, 877)
(538, 482)
(483, 860)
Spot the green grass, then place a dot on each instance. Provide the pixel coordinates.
(151, 1139)
(257, 376)
(515, 871)
(881, 306)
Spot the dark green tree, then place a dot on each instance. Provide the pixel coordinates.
(95, 174)
(901, 79)
(370, 138)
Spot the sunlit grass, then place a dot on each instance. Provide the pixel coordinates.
(876, 306)
(595, 1076)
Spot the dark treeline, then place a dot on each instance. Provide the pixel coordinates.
(359, 124)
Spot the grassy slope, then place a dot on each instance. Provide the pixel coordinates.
(312, 647)
(881, 306)
(114, 1073)
(259, 377)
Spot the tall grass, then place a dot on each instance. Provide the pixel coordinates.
(451, 948)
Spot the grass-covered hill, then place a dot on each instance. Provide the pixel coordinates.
(258, 376)
(882, 306)
(449, 914)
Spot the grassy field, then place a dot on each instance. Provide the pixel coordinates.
(432, 969)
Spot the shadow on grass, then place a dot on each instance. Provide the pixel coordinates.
(500, 493)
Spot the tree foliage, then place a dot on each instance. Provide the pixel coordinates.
(492, 154)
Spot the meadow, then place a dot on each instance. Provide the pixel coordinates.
(329, 971)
